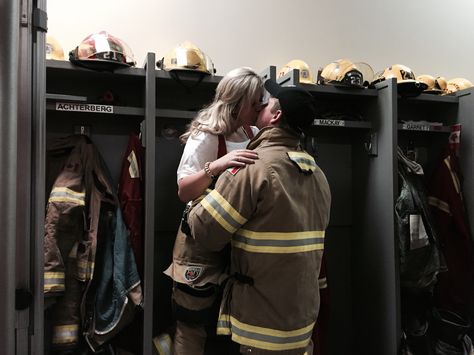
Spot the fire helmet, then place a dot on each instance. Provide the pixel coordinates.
(436, 86)
(306, 77)
(343, 72)
(406, 80)
(54, 50)
(102, 51)
(457, 84)
(187, 57)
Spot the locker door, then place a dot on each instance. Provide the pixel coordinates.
(9, 37)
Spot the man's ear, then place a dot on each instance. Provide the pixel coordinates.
(275, 120)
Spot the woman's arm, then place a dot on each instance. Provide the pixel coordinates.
(192, 186)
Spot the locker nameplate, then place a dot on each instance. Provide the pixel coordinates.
(324, 122)
(65, 106)
(418, 127)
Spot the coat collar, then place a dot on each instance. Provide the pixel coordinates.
(275, 136)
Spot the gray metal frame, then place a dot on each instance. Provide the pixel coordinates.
(9, 99)
(150, 123)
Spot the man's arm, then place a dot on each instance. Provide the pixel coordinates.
(226, 208)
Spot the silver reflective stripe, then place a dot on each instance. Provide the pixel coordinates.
(64, 334)
(63, 194)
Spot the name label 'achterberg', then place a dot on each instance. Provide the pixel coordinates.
(61, 106)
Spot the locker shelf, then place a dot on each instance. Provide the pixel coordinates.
(432, 98)
(168, 113)
(63, 65)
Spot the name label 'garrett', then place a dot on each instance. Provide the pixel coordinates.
(61, 106)
(416, 127)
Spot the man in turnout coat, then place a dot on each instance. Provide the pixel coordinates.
(274, 213)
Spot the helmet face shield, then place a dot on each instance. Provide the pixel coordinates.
(103, 48)
(345, 73)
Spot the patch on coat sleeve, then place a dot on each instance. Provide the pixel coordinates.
(303, 160)
(191, 273)
(234, 170)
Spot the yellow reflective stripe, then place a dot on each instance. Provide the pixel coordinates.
(63, 334)
(456, 183)
(221, 210)
(267, 331)
(85, 269)
(223, 325)
(54, 281)
(278, 242)
(63, 194)
(443, 206)
(304, 161)
(54, 275)
(266, 338)
(280, 235)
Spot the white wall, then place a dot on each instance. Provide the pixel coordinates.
(430, 36)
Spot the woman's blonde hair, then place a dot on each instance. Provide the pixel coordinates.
(236, 89)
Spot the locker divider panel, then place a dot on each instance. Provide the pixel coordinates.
(466, 116)
(374, 278)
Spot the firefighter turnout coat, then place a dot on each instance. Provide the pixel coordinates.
(88, 263)
(274, 213)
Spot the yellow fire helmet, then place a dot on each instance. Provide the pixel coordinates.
(306, 77)
(457, 84)
(54, 50)
(101, 50)
(343, 72)
(406, 80)
(187, 57)
(436, 86)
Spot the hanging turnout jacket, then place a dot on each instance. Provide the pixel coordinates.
(274, 213)
(454, 287)
(420, 258)
(131, 196)
(80, 196)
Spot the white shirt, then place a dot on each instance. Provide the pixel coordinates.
(203, 147)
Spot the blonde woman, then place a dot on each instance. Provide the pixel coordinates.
(216, 140)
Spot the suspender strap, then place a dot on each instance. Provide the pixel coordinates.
(222, 149)
(248, 131)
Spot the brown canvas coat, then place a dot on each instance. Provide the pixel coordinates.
(274, 213)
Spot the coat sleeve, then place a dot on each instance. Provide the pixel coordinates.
(228, 207)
